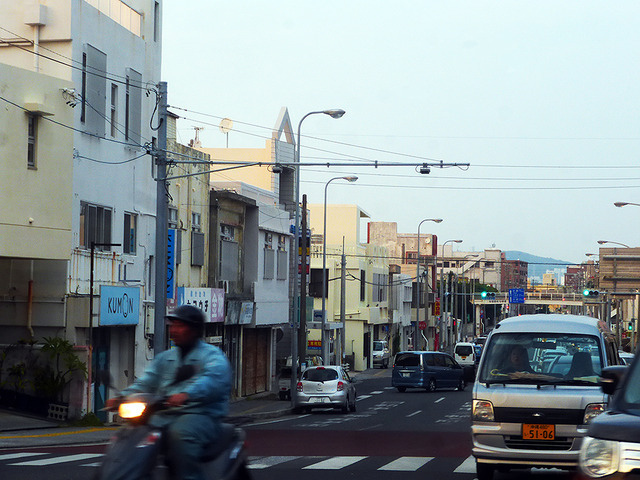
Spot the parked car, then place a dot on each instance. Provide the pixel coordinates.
(626, 357)
(381, 353)
(428, 370)
(611, 448)
(530, 408)
(325, 387)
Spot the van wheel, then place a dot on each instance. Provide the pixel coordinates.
(385, 364)
(461, 385)
(402, 389)
(484, 471)
(431, 386)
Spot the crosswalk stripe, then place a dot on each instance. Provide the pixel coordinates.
(51, 461)
(267, 462)
(377, 392)
(406, 464)
(468, 466)
(362, 397)
(335, 463)
(11, 456)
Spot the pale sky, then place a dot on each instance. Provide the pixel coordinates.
(539, 97)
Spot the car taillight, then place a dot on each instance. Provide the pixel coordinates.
(299, 387)
(340, 386)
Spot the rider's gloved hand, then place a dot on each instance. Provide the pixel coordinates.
(177, 399)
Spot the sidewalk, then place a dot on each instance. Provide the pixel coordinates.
(18, 430)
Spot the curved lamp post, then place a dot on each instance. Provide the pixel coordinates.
(417, 329)
(602, 242)
(442, 293)
(325, 343)
(622, 204)
(297, 311)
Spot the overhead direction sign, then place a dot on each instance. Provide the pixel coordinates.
(516, 295)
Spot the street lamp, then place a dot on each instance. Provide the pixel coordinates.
(622, 204)
(602, 242)
(299, 310)
(325, 346)
(417, 329)
(442, 290)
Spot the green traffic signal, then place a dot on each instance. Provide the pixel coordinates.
(585, 292)
(590, 293)
(484, 294)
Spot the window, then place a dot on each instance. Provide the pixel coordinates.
(379, 287)
(195, 221)
(363, 285)
(197, 249)
(94, 94)
(32, 137)
(113, 118)
(156, 21)
(173, 217)
(269, 256)
(283, 262)
(95, 226)
(133, 106)
(130, 236)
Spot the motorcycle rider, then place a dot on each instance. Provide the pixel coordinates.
(204, 396)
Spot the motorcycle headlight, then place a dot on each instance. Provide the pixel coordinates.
(599, 457)
(592, 411)
(482, 411)
(131, 409)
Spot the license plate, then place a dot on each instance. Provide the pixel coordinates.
(535, 431)
(319, 400)
(463, 357)
(406, 374)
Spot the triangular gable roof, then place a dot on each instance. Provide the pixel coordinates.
(283, 124)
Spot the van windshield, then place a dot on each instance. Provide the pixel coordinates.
(378, 346)
(541, 358)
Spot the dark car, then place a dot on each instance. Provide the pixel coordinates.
(428, 370)
(611, 448)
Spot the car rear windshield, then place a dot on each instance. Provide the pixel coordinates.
(320, 375)
(541, 358)
(407, 360)
(378, 346)
(464, 350)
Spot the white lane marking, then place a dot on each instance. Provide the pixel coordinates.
(439, 400)
(335, 463)
(95, 464)
(267, 422)
(377, 392)
(11, 456)
(414, 413)
(406, 464)
(370, 428)
(389, 388)
(468, 466)
(63, 459)
(267, 462)
(362, 397)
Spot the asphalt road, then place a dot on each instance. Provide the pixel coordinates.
(392, 435)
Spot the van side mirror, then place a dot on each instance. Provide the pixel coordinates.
(611, 377)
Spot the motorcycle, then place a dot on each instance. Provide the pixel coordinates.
(136, 450)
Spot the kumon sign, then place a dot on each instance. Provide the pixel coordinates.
(119, 305)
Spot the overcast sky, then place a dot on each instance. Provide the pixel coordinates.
(539, 97)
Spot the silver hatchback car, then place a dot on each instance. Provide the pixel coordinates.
(326, 386)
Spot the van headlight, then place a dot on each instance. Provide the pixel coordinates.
(592, 411)
(599, 457)
(482, 411)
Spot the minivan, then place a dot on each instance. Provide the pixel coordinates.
(536, 391)
(428, 370)
(611, 448)
(465, 354)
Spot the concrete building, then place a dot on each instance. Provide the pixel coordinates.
(366, 288)
(108, 56)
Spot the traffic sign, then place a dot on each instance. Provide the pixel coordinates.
(422, 325)
(516, 295)
(436, 308)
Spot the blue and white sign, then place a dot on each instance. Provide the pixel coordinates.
(516, 295)
(171, 261)
(119, 305)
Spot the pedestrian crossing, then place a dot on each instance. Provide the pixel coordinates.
(322, 463)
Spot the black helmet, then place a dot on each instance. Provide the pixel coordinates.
(188, 314)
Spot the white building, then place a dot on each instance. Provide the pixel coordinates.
(110, 52)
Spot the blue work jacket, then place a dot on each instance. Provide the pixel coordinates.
(208, 389)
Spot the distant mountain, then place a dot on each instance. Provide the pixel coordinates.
(537, 265)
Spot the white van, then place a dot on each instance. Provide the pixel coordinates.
(536, 391)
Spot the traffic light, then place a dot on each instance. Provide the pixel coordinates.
(488, 295)
(590, 293)
(630, 326)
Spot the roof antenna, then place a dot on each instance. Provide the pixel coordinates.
(196, 143)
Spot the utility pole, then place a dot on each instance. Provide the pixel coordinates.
(304, 248)
(162, 208)
(343, 304)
